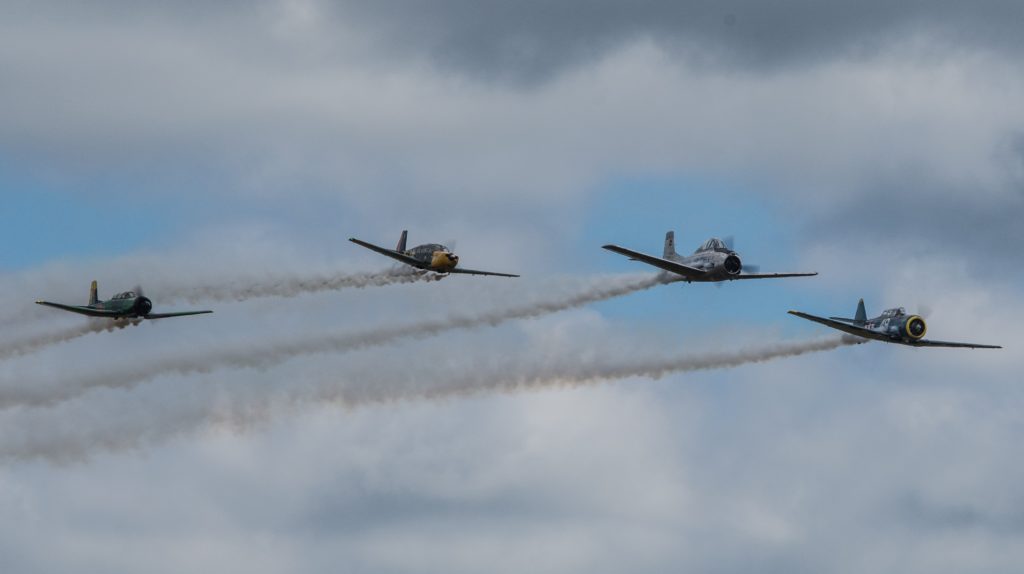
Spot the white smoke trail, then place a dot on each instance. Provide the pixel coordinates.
(43, 393)
(188, 414)
(245, 289)
(572, 372)
(32, 343)
(237, 290)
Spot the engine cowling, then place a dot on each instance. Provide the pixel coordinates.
(732, 265)
(143, 306)
(914, 328)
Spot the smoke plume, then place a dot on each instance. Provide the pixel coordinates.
(247, 407)
(244, 289)
(29, 344)
(256, 356)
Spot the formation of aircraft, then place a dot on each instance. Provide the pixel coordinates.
(892, 326)
(715, 260)
(427, 257)
(127, 305)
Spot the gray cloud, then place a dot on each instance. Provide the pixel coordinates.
(537, 39)
(476, 121)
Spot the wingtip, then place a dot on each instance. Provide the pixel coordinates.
(40, 302)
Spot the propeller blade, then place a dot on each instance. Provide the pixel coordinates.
(924, 310)
(751, 268)
(138, 291)
(730, 242)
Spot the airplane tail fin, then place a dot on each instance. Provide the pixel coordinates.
(862, 315)
(93, 294)
(401, 241)
(670, 245)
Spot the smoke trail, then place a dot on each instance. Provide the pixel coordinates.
(572, 372)
(29, 344)
(43, 393)
(244, 289)
(188, 414)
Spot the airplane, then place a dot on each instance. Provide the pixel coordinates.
(713, 261)
(892, 326)
(427, 257)
(127, 305)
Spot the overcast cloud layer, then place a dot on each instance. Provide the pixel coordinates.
(883, 145)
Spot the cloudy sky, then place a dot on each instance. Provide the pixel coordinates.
(221, 153)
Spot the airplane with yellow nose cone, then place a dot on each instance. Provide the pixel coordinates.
(427, 257)
(892, 326)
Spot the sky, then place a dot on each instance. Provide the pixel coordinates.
(332, 414)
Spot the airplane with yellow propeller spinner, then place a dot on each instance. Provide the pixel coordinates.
(892, 326)
(427, 257)
(715, 260)
(123, 306)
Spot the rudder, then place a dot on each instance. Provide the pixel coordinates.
(401, 241)
(93, 293)
(670, 245)
(862, 315)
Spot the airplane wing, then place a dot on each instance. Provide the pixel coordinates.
(475, 272)
(389, 253)
(948, 344)
(844, 327)
(770, 275)
(178, 314)
(88, 311)
(671, 266)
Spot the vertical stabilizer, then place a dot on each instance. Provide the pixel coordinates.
(93, 296)
(401, 241)
(862, 316)
(670, 246)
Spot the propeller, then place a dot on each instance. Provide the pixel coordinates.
(143, 305)
(924, 310)
(730, 244)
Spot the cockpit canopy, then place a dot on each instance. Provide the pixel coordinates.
(125, 295)
(896, 312)
(713, 244)
(429, 248)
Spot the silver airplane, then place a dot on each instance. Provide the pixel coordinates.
(713, 261)
(428, 257)
(892, 326)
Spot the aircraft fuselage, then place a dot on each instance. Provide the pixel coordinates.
(720, 264)
(898, 325)
(435, 257)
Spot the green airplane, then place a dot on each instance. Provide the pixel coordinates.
(127, 305)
